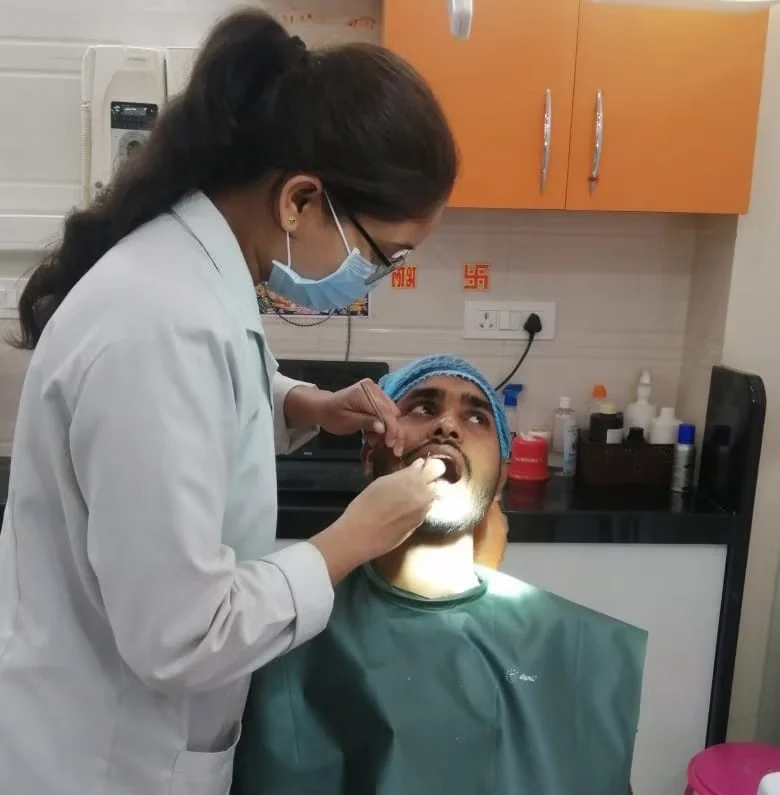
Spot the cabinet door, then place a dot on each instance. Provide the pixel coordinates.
(679, 93)
(493, 87)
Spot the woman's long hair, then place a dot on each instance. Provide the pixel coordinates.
(260, 104)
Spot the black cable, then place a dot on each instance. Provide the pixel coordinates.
(528, 345)
(268, 304)
(310, 324)
(533, 325)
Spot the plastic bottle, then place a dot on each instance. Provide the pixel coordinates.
(563, 450)
(512, 394)
(597, 397)
(606, 427)
(641, 413)
(684, 459)
(663, 429)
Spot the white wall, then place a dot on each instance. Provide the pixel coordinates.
(706, 324)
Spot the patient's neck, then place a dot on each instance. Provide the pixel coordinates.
(433, 567)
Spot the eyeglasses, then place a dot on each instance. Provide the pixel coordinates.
(386, 265)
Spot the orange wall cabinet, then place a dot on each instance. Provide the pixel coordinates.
(651, 109)
(679, 95)
(495, 87)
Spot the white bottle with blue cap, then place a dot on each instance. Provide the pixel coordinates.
(684, 458)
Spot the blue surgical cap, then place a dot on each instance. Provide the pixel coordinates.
(400, 382)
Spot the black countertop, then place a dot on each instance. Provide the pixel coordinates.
(554, 512)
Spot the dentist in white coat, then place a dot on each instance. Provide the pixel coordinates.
(138, 589)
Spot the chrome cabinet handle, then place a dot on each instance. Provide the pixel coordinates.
(599, 142)
(547, 139)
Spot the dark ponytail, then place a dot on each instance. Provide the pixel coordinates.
(260, 103)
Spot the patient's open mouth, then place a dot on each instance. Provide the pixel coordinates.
(452, 470)
(453, 464)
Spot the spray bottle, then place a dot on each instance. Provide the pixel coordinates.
(641, 413)
(512, 393)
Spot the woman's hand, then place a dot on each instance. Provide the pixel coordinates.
(380, 518)
(360, 407)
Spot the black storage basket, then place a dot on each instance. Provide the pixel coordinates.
(642, 466)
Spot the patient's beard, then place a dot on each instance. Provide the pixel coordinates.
(458, 507)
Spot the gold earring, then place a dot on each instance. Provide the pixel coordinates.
(291, 219)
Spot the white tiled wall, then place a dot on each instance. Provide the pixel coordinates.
(621, 281)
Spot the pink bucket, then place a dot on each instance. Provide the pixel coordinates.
(731, 769)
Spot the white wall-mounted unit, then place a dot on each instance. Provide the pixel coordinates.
(82, 112)
(122, 94)
(178, 67)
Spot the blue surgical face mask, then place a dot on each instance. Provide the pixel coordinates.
(336, 291)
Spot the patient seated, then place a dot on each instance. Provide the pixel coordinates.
(438, 676)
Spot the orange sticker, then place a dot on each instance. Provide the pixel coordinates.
(476, 276)
(404, 278)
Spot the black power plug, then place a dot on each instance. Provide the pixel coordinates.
(533, 324)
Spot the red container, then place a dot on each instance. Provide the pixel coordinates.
(528, 459)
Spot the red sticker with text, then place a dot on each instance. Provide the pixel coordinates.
(476, 276)
(404, 278)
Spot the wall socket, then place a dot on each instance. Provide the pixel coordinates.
(504, 320)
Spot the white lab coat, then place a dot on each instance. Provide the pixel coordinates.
(138, 589)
